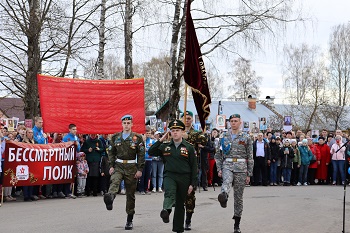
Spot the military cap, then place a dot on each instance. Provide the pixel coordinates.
(176, 124)
(126, 118)
(234, 116)
(188, 113)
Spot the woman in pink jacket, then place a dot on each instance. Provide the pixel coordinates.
(338, 159)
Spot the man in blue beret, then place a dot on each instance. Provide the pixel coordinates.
(126, 161)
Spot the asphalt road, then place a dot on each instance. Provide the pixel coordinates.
(312, 209)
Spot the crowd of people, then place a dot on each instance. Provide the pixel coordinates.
(280, 158)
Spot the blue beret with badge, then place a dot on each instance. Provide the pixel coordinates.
(126, 118)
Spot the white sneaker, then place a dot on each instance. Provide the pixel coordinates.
(154, 190)
(298, 184)
(305, 183)
(122, 192)
(160, 190)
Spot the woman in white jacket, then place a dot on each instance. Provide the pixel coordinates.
(338, 159)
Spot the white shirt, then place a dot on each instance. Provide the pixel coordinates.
(260, 152)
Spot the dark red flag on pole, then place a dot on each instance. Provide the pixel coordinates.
(195, 75)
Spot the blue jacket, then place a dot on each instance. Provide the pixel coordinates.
(149, 142)
(71, 137)
(39, 135)
(305, 155)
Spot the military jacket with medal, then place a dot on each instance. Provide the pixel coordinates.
(177, 160)
(235, 151)
(196, 137)
(130, 148)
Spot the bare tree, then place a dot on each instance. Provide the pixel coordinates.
(223, 28)
(340, 62)
(298, 65)
(245, 80)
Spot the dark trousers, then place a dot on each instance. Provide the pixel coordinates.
(295, 173)
(91, 185)
(260, 171)
(105, 181)
(204, 170)
(146, 176)
(311, 175)
(27, 192)
(176, 186)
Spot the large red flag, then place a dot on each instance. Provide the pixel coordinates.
(195, 75)
(94, 106)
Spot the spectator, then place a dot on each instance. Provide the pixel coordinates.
(261, 154)
(205, 151)
(21, 133)
(286, 154)
(93, 149)
(82, 171)
(322, 169)
(313, 166)
(296, 163)
(146, 173)
(274, 158)
(28, 190)
(338, 159)
(305, 157)
(211, 160)
(157, 168)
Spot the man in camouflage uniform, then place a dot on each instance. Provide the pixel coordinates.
(198, 140)
(234, 164)
(126, 160)
(180, 172)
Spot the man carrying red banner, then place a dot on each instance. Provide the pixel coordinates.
(126, 162)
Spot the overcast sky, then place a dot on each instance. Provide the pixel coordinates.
(325, 14)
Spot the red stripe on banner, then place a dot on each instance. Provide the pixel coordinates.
(95, 106)
(37, 164)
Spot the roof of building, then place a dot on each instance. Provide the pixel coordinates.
(232, 107)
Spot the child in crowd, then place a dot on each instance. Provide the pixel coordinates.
(82, 171)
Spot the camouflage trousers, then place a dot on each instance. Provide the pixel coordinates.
(127, 173)
(190, 202)
(236, 179)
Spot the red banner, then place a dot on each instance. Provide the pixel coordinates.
(36, 164)
(95, 106)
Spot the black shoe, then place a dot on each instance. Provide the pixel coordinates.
(236, 230)
(108, 199)
(187, 226)
(223, 200)
(164, 214)
(129, 226)
(205, 189)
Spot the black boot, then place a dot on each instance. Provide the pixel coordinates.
(236, 226)
(223, 199)
(108, 199)
(188, 221)
(129, 225)
(164, 214)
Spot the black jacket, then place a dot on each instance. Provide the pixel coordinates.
(266, 150)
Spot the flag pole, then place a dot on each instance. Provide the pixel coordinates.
(185, 103)
(2, 195)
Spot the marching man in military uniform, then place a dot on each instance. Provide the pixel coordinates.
(180, 172)
(198, 140)
(235, 165)
(126, 160)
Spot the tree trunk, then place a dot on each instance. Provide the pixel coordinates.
(175, 78)
(129, 73)
(31, 98)
(102, 41)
